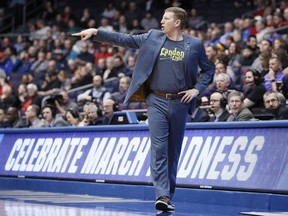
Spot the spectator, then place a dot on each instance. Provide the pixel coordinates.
(246, 57)
(109, 11)
(193, 19)
(81, 77)
(6, 64)
(73, 117)
(2, 117)
(237, 109)
(273, 103)
(199, 114)
(32, 117)
(85, 17)
(21, 95)
(228, 31)
(149, 21)
(265, 45)
(33, 97)
(49, 113)
(64, 103)
(84, 56)
(275, 75)
(124, 84)
(104, 25)
(92, 115)
(211, 53)
(254, 95)
(13, 119)
(103, 52)
(252, 43)
(39, 67)
(7, 99)
(121, 25)
(96, 94)
(109, 107)
(218, 102)
(101, 67)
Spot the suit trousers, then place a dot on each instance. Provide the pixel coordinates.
(167, 119)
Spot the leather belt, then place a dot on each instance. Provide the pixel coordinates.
(166, 95)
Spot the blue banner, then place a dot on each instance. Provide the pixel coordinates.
(241, 158)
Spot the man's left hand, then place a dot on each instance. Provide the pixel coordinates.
(189, 95)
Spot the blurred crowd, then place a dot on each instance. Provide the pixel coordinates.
(50, 79)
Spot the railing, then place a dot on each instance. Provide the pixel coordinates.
(32, 7)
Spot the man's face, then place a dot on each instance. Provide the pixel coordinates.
(210, 52)
(47, 114)
(221, 84)
(220, 68)
(235, 104)
(123, 85)
(271, 101)
(215, 101)
(97, 82)
(2, 115)
(265, 46)
(274, 65)
(29, 113)
(249, 77)
(108, 107)
(168, 22)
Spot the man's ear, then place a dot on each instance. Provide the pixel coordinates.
(177, 23)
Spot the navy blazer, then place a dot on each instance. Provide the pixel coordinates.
(149, 45)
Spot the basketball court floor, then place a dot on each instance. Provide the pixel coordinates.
(35, 203)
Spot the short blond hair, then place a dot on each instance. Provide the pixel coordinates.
(180, 14)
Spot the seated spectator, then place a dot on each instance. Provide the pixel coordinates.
(32, 117)
(221, 84)
(275, 74)
(97, 94)
(84, 56)
(2, 117)
(49, 114)
(246, 57)
(7, 99)
(199, 114)
(40, 65)
(13, 119)
(237, 109)
(81, 77)
(73, 117)
(104, 52)
(32, 97)
(6, 64)
(149, 21)
(218, 102)
(254, 94)
(124, 84)
(64, 102)
(91, 115)
(273, 103)
(109, 107)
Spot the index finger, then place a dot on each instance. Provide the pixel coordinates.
(76, 34)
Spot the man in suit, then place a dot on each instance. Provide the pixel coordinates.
(236, 106)
(165, 77)
(218, 102)
(32, 116)
(49, 114)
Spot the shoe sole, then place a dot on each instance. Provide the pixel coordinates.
(162, 206)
